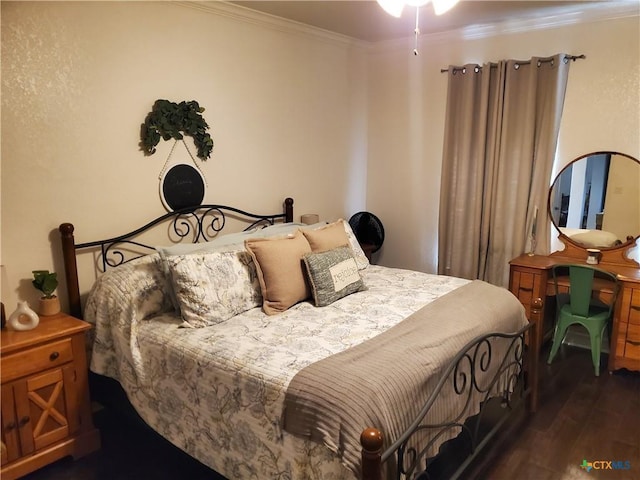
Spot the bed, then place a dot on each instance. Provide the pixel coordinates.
(380, 376)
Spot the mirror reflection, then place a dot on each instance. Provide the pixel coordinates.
(595, 200)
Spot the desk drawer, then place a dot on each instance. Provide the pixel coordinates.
(526, 286)
(630, 311)
(628, 343)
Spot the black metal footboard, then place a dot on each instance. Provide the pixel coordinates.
(492, 376)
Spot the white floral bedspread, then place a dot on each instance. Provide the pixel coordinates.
(217, 392)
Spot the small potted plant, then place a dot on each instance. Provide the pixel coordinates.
(46, 282)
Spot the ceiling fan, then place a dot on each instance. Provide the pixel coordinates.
(395, 7)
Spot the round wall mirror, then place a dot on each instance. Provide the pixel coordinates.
(594, 202)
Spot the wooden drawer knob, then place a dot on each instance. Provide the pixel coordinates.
(54, 356)
(536, 305)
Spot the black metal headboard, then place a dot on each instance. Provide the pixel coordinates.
(195, 224)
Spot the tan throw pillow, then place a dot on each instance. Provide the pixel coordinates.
(280, 271)
(327, 238)
(336, 235)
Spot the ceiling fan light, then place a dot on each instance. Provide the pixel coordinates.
(392, 7)
(442, 6)
(416, 3)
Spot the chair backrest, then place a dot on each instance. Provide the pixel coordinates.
(581, 278)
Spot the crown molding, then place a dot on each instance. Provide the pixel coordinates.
(246, 15)
(587, 12)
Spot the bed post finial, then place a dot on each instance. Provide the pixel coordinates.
(371, 441)
(70, 269)
(288, 210)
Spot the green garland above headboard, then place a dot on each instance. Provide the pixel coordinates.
(168, 120)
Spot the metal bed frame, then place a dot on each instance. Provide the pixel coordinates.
(518, 365)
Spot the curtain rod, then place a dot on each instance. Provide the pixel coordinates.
(526, 62)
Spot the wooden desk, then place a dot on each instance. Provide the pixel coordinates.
(530, 280)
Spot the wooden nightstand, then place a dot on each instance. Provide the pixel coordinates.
(45, 409)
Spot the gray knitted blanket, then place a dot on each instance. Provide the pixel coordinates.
(384, 381)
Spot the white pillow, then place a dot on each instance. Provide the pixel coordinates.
(278, 229)
(230, 241)
(212, 287)
(595, 239)
(358, 253)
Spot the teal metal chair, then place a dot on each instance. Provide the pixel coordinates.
(579, 307)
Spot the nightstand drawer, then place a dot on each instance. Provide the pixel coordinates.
(36, 359)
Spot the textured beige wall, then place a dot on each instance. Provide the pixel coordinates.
(286, 111)
(408, 100)
(293, 113)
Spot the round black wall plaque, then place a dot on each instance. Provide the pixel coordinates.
(182, 186)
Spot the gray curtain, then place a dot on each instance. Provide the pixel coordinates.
(501, 132)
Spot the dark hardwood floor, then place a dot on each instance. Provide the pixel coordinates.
(581, 417)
